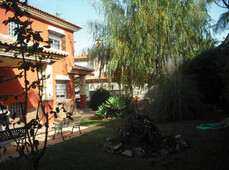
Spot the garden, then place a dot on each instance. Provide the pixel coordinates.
(181, 122)
(153, 144)
(208, 150)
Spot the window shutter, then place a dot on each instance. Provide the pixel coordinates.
(61, 90)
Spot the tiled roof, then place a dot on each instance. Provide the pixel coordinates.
(34, 11)
(56, 17)
(8, 40)
(78, 67)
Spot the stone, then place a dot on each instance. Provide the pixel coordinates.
(108, 147)
(183, 143)
(128, 153)
(178, 137)
(164, 152)
(139, 152)
(119, 146)
(109, 139)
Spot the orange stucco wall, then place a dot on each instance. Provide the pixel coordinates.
(15, 87)
(59, 67)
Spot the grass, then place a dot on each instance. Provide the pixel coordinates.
(93, 121)
(209, 150)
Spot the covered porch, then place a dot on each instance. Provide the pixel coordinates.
(81, 71)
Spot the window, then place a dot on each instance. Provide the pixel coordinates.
(55, 44)
(61, 90)
(55, 40)
(11, 28)
(16, 109)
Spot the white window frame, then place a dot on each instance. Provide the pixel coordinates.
(61, 89)
(11, 29)
(55, 35)
(56, 40)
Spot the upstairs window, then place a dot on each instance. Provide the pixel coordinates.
(57, 37)
(55, 41)
(11, 28)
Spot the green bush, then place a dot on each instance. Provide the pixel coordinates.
(98, 97)
(175, 98)
(204, 69)
(130, 108)
(113, 107)
(211, 70)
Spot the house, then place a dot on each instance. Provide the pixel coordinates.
(99, 78)
(95, 79)
(59, 88)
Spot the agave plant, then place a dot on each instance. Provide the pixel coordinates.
(113, 107)
(102, 111)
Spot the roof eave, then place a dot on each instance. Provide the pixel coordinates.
(50, 18)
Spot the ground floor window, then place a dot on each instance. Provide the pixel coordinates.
(61, 90)
(16, 109)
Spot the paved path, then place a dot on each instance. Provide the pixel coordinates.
(11, 149)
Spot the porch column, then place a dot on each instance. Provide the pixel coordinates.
(83, 103)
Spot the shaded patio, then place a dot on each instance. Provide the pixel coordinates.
(11, 148)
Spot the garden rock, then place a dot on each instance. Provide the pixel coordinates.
(109, 139)
(128, 153)
(180, 143)
(139, 152)
(111, 148)
(119, 146)
(184, 143)
(140, 137)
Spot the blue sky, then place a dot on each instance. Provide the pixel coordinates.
(80, 12)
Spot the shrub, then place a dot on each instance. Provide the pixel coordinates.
(139, 130)
(211, 70)
(130, 106)
(175, 98)
(205, 70)
(98, 97)
(113, 107)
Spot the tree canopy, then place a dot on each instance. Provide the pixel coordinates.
(223, 21)
(139, 36)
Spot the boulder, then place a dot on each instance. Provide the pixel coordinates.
(139, 152)
(128, 153)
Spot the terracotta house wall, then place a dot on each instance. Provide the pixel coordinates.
(14, 87)
(3, 17)
(58, 67)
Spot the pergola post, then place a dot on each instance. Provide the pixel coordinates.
(82, 72)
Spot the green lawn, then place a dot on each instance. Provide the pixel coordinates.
(209, 150)
(84, 152)
(93, 121)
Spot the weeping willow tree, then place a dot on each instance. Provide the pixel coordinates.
(139, 36)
